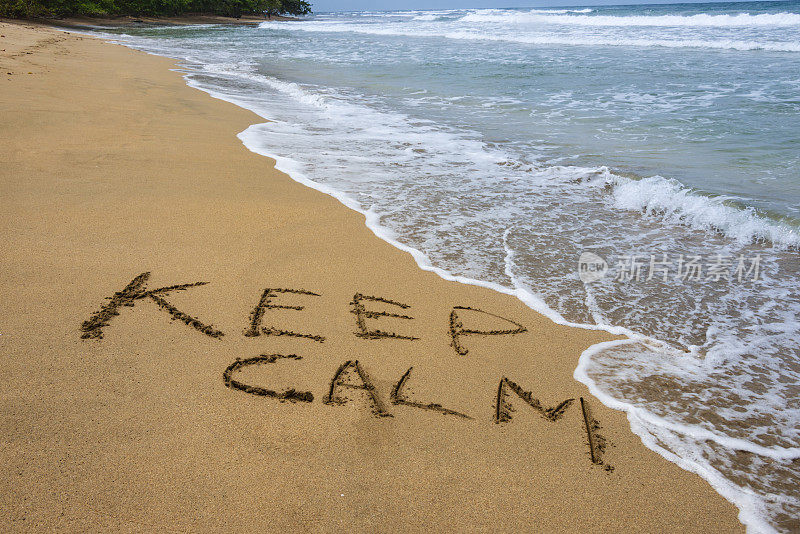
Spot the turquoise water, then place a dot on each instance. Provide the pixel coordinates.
(502, 146)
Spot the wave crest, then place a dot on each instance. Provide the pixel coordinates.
(742, 20)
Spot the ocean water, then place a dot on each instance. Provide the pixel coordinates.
(658, 145)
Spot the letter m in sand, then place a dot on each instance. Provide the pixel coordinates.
(502, 414)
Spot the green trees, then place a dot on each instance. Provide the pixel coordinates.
(229, 8)
(236, 8)
(295, 7)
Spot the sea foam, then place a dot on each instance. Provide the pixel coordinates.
(743, 20)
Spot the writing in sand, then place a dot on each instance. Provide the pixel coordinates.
(350, 375)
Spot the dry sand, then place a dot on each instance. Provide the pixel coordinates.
(112, 167)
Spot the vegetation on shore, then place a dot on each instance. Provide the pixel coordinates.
(99, 8)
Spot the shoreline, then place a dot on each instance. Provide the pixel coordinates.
(747, 508)
(327, 261)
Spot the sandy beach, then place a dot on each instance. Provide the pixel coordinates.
(192, 341)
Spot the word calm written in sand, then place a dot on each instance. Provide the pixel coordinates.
(350, 375)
